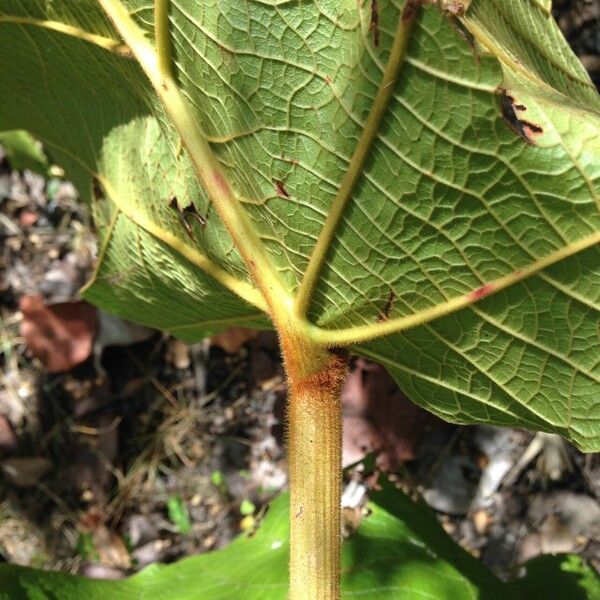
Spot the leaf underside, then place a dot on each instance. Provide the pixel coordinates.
(399, 550)
(485, 162)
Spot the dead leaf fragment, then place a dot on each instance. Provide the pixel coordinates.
(111, 549)
(379, 417)
(59, 335)
(25, 472)
(234, 338)
(8, 440)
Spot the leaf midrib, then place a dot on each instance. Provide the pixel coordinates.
(370, 133)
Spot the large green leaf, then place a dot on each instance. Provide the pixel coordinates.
(399, 550)
(484, 167)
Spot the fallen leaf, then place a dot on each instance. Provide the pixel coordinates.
(379, 417)
(59, 335)
(553, 537)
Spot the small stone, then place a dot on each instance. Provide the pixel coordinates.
(178, 354)
(482, 521)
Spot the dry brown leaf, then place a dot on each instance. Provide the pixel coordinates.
(59, 335)
(377, 416)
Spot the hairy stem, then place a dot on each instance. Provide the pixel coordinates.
(315, 465)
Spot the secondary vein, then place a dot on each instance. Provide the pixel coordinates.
(106, 43)
(364, 333)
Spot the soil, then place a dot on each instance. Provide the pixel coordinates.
(150, 449)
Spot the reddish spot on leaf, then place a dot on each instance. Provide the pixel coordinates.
(280, 189)
(292, 161)
(220, 182)
(59, 335)
(482, 292)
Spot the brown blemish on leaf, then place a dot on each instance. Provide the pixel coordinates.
(411, 9)
(374, 25)
(97, 192)
(385, 313)
(280, 189)
(525, 129)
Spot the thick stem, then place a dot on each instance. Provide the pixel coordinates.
(314, 430)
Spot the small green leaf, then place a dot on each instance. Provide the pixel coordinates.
(179, 515)
(85, 546)
(24, 151)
